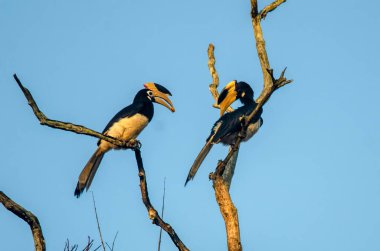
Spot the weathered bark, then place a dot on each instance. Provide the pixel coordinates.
(132, 144)
(225, 169)
(68, 126)
(28, 217)
(224, 172)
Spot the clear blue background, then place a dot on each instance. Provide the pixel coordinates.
(309, 180)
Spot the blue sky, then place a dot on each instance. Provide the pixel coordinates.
(309, 180)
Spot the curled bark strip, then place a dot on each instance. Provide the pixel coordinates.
(28, 217)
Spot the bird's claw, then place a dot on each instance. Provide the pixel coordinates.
(135, 144)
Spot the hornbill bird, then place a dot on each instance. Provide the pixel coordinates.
(125, 125)
(229, 125)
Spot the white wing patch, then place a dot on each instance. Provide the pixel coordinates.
(215, 129)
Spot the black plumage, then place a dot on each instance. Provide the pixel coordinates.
(228, 126)
(125, 125)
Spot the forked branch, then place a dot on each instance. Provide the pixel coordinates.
(28, 217)
(271, 7)
(271, 84)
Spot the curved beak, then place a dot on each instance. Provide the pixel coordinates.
(227, 96)
(161, 95)
(163, 99)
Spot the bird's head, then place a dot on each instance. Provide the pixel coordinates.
(159, 94)
(234, 90)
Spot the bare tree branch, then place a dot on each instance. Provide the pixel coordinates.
(28, 217)
(69, 126)
(153, 214)
(271, 7)
(97, 221)
(270, 83)
(229, 168)
(221, 183)
(213, 87)
(134, 145)
(224, 172)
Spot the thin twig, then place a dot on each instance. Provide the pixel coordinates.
(162, 214)
(97, 221)
(28, 217)
(114, 239)
(90, 242)
(271, 7)
(153, 214)
(69, 126)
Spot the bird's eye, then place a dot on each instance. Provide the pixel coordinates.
(150, 93)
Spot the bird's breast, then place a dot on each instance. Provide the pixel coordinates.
(230, 138)
(126, 129)
(252, 129)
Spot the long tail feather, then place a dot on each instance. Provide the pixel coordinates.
(198, 161)
(88, 172)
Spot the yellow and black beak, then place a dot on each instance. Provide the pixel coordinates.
(160, 95)
(227, 96)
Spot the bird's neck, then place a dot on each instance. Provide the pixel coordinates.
(147, 109)
(247, 101)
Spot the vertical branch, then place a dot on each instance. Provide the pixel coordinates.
(229, 213)
(269, 84)
(260, 47)
(221, 184)
(230, 166)
(28, 217)
(97, 221)
(162, 214)
(153, 214)
(226, 167)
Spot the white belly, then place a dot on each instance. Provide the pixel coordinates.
(252, 129)
(125, 129)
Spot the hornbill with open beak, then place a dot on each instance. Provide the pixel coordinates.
(229, 125)
(125, 125)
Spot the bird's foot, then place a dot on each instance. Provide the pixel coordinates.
(134, 144)
(242, 134)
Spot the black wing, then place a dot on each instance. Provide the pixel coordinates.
(231, 122)
(126, 112)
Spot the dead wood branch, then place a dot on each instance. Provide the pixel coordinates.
(153, 214)
(271, 7)
(228, 168)
(68, 126)
(224, 172)
(28, 217)
(134, 145)
(221, 183)
(213, 87)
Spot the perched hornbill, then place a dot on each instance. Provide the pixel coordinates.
(125, 125)
(228, 126)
